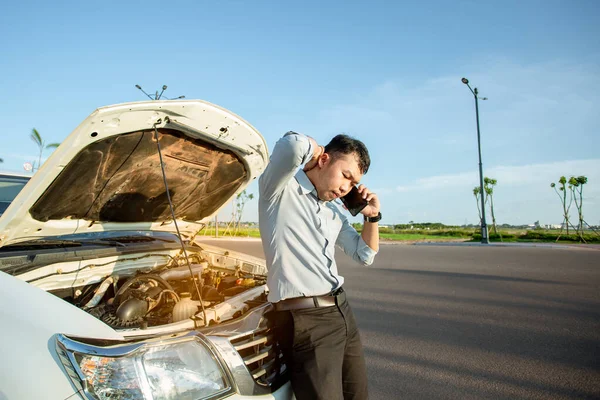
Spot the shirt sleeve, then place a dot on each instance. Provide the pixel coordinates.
(290, 152)
(354, 245)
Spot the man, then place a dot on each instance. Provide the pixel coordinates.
(300, 226)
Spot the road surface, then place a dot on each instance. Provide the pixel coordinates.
(473, 322)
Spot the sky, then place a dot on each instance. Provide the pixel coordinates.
(387, 73)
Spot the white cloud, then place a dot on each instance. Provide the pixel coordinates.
(540, 112)
(539, 123)
(531, 174)
(522, 195)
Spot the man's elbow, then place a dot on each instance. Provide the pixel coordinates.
(366, 261)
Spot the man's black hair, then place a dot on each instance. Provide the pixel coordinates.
(344, 144)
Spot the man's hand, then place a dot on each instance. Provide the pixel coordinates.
(370, 231)
(372, 209)
(317, 152)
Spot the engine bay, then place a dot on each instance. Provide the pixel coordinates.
(214, 287)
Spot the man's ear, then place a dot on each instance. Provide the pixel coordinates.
(324, 159)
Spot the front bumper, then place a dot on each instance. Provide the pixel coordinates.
(244, 348)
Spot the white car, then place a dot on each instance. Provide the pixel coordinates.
(10, 186)
(104, 296)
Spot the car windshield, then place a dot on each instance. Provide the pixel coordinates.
(10, 186)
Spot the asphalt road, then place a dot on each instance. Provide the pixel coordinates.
(472, 322)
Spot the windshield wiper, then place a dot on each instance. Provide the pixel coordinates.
(49, 243)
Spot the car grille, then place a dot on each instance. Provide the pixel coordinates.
(260, 354)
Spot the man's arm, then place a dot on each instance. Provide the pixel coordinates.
(354, 245)
(362, 248)
(370, 234)
(370, 231)
(290, 152)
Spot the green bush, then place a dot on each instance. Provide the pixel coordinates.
(460, 233)
(539, 236)
(422, 225)
(497, 237)
(503, 235)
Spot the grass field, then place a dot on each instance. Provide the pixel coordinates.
(242, 232)
(254, 233)
(409, 237)
(540, 235)
(510, 235)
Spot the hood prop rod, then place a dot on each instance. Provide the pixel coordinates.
(187, 260)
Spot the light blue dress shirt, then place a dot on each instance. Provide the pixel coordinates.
(299, 232)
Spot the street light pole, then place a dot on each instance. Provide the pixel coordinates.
(484, 230)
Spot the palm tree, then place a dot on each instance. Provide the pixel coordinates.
(577, 191)
(241, 200)
(489, 184)
(476, 193)
(563, 199)
(37, 138)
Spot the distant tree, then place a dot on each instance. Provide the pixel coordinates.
(488, 187)
(477, 193)
(421, 225)
(576, 186)
(41, 144)
(563, 187)
(1, 160)
(241, 200)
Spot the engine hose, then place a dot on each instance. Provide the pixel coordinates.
(183, 271)
(153, 303)
(100, 292)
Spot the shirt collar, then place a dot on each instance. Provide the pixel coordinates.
(306, 185)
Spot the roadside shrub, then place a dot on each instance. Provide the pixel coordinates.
(541, 235)
(537, 235)
(456, 233)
(496, 237)
(460, 233)
(504, 236)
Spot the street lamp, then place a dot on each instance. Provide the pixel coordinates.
(484, 231)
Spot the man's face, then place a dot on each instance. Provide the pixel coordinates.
(337, 175)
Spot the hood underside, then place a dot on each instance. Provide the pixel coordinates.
(107, 176)
(119, 179)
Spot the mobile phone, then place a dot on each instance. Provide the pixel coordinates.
(354, 201)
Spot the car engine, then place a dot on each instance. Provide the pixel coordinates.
(167, 295)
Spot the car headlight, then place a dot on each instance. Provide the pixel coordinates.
(179, 369)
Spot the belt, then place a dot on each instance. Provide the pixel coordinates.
(338, 296)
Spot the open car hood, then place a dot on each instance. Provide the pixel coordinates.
(106, 175)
